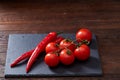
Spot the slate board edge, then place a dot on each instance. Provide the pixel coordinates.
(5, 75)
(99, 55)
(54, 75)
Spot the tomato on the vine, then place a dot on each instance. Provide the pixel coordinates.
(84, 35)
(51, 59)
(66, 43)
(66, 57)
(52, 46)
(82, 53)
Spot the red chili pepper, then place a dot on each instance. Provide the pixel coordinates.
(22, 57)
(59, 39)
(26, 55)
(40, 47)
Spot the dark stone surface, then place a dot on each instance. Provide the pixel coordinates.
(20, 43)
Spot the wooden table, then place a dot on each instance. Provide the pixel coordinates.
(101, 17)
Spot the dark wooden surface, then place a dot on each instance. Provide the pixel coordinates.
(102, 17)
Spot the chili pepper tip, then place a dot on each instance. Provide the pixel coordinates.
(27, 70)
(12, 65)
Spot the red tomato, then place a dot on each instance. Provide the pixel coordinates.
(82, 53)
(51, 59)
(52, 46)
(67, 44)
(84, 35)
(66, 57)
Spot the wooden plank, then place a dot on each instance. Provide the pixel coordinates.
(2, 64)
(98, 11)
(105, 77)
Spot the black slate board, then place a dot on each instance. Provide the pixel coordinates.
(20, 43)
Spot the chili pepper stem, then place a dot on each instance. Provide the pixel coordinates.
(68, 52)
(59, 33)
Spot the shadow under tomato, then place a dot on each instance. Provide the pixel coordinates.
(78, 67)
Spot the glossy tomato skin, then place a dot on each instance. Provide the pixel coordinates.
(51, 59)
(52, 46)
(67, 44)
(83, 34)
(82, 53)
(66, 57)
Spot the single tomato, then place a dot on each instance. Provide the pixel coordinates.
(82, 53)
(67, 43)
(51, 59)
(84, 35)
(52, 46)
(66, 57)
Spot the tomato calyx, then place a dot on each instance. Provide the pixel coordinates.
(57, 45)
(55, 52)
(84, 42)
(68, 40)
(68, 52)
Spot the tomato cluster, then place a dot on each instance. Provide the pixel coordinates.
(67, 50)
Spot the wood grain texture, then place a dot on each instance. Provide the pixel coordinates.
(102, 17)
